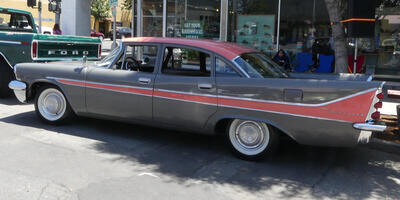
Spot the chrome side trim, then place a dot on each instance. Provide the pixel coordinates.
(19, 88)
(369, 127)
(239, 68)
(5, 58)
(9, 42)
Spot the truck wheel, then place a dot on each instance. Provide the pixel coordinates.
(51, 106)
(251, 140)
(6, 75)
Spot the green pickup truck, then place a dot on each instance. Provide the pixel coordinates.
(20, 42)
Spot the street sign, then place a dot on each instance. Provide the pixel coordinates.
(114, 3)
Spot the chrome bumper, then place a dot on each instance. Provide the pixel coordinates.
(19, 90)
(370, 127)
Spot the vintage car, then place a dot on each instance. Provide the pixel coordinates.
(208, 87)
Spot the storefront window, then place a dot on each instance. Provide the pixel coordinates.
(193, 19)
(152, 17)
(386, 44)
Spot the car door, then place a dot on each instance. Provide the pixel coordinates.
(185, 91)
(124, 90)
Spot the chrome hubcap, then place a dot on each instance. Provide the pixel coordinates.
(51, 104)
(249, 137)
(249, 134)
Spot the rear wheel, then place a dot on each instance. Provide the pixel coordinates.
(51, 106)
(251, 140)
(6, 75)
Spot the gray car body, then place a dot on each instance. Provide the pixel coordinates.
(78, 81)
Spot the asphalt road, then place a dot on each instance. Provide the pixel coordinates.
(96, 159)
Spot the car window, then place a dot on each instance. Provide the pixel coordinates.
(140, 58)
(106, 61)
(15, 21)
(186, 62)
(222, 69)
(257, 65)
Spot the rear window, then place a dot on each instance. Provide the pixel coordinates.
(15, 21)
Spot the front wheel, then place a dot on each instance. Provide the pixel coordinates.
(51, 106)
(251, 140)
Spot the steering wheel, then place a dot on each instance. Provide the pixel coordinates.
(131, 64)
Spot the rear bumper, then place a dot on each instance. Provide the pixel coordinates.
(369, 127)
(19, 90)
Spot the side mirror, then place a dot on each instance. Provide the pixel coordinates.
(84, 61)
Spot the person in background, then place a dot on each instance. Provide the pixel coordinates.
(282, 59)
(56, 29)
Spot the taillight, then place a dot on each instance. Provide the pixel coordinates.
(34, 49)
(99, 50)
(380, 96)
(376, 115)
(378, 105)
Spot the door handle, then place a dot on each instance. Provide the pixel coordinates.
(144, 80)
(204, 86)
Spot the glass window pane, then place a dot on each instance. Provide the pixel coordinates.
(193, 19)
(222, 69)
(186, 62)
(140, 58)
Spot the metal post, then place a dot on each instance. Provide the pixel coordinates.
(355, 57)
(186, 9)
(223, 29)
(114, 44)
(139, 18)
(40, 16)
(313, 21)
(133, 18)
(164, 24)
(278, 26)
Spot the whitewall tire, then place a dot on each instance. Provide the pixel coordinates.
(51, 105)
(251, 140)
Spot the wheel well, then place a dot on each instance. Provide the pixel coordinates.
(221, 126)
(35, 87)
(3, 60)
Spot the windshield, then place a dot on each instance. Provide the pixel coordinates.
(106, 61)
(257, 65)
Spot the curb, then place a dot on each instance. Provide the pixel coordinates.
(382, 145)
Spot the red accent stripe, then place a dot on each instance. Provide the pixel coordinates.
(25, 43)
(187, 97)
(354, 109)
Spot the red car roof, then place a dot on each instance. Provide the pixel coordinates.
(227, 49)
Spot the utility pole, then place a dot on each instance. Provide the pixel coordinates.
(40, 16)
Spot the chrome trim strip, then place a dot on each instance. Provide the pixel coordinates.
(73, 42)
(9, 42)
(188, 93)
(5, 58)
(301, 104)
(91, 82)
(169, 98)
(290, 114)
(239, 68)
(369, 127)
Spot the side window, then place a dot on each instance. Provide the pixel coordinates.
(186, 62)
(140, 58)
(15, 22)
(222, 69)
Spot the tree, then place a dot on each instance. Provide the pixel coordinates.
(100, 9)
(127, 4)
(336, 10)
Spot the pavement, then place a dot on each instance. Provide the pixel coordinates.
(95, 159)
